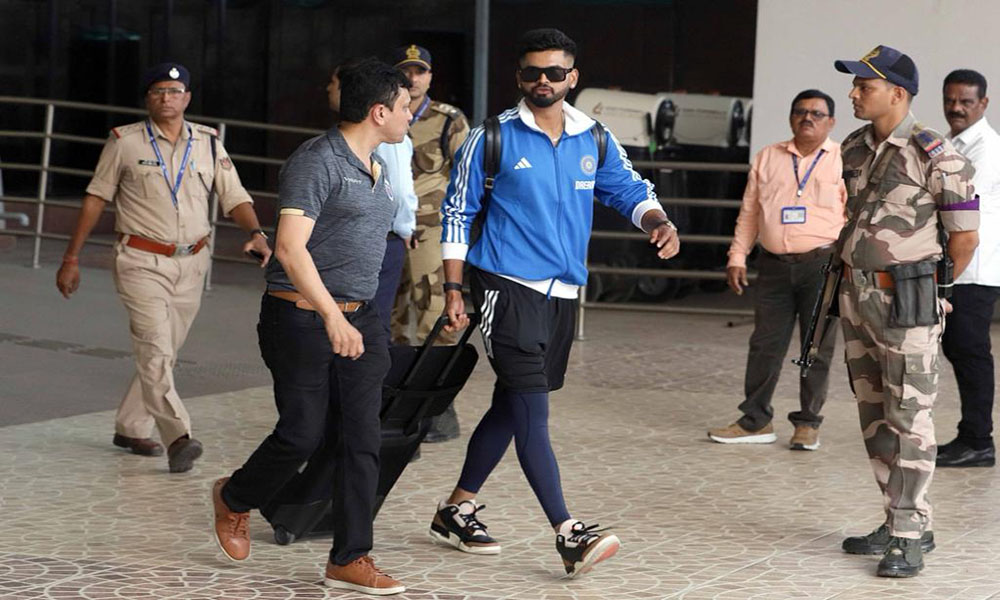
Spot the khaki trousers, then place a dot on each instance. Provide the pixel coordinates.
(162, 295)
(421, 290)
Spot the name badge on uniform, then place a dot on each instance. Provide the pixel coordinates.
(793, 215)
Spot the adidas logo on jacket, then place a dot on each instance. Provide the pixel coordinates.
(541, 209)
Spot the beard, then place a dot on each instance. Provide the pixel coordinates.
(544, 101)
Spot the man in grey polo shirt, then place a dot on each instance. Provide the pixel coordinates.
(319, 334)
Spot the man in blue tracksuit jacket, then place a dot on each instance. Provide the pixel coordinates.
(528, 265)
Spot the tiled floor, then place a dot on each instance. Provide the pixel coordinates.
(81, 519)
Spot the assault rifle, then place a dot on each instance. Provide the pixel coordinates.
(824, 314)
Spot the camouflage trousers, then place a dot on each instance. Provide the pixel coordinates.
(420, 298)
(894, 375)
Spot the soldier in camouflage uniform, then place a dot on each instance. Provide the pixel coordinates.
(903, 183)
(437, 130)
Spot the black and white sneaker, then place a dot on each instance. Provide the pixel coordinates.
(458, 526)
(582, 546)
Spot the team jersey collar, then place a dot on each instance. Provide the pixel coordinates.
(576, 121)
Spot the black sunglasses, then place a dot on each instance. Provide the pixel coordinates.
(551, 73)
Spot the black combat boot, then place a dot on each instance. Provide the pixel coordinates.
(877, 541)
(903, 558)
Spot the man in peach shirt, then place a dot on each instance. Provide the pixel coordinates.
(794, 205)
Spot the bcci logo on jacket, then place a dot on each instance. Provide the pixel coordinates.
(588, 164)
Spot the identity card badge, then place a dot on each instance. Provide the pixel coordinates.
(793, 215)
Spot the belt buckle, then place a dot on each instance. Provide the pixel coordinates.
(183, 250)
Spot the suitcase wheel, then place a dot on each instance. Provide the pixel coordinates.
(282, 536)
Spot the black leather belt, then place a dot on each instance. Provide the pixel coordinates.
(801, 257)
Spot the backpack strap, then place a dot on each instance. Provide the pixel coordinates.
(491, 164)
(491, 155)
(443, 140)
(601, 137)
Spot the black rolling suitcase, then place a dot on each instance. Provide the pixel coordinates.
(421, 383)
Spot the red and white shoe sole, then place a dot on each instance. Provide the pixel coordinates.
(607, 547)
(456, 542)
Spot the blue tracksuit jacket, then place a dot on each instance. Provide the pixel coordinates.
(541, 211)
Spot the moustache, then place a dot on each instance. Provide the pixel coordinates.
(955, 115)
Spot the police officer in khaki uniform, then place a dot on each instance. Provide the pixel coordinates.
(160, 173)
(908, 189)
(437, 130)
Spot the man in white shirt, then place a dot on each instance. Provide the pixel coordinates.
(966, 340)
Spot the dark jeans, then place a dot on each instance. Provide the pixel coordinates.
(319, 396)
(785, 291)
(966, 344)
(388, 280)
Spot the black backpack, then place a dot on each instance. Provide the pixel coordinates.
(491, 164)
(492, 147)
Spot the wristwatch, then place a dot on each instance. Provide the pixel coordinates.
(260, 231)
(451, 285)
(666, 222)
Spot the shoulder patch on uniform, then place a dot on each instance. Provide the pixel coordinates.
(929, 141)
(121, 130)
(206, 129)
(445, 108)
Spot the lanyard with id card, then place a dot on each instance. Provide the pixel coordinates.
(793, 215)
(796, 215)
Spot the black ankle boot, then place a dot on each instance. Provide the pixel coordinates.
(903, 558)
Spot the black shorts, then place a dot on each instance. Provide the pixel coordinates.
(527, 335)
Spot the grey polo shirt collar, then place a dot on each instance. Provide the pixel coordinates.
(340, 148)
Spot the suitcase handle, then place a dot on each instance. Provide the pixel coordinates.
(429, 342)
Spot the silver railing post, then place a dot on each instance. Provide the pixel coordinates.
(43, 183)
(213, 216)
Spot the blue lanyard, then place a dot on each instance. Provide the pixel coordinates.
(163, 166)
(795, 167)
(421, 110)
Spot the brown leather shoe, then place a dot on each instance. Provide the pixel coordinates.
(804, 438)
(140, 446)
(361, 576)
(232, 529)
(182, 453)
(735, 434)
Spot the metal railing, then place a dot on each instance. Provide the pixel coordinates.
(691, 238)
(44, 168)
